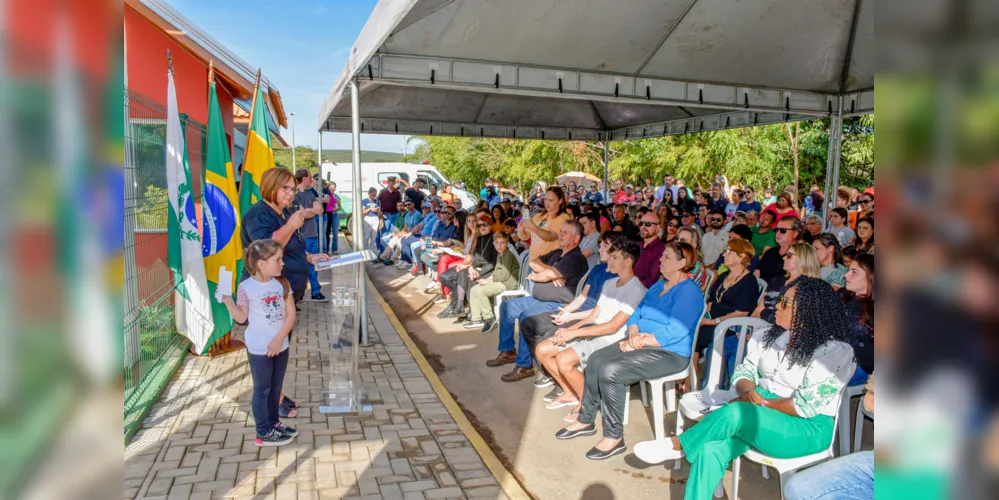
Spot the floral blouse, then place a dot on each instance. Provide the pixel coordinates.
(834, 274)
(813, 388)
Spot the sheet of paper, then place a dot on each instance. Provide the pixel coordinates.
(225, 284)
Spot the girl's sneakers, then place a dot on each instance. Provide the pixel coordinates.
(273, 438)
(286, 430)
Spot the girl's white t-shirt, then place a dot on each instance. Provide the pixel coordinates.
(266, 313)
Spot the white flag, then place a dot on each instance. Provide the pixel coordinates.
(193, 305)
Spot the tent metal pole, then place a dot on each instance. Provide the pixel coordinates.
(606, 148)
(322, 219)
(830, 188)
(837, 152)
(358, 230)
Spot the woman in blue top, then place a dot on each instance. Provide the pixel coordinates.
(660, 335)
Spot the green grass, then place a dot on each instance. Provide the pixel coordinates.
(344, 156)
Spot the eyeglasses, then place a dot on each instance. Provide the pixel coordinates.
(717, 219)
(789, 256)
(783, 230)
(482, 224)
(288, 189)
(673, 225)
(647, 224)
(687, 215)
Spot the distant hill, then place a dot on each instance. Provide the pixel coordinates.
(344, 156)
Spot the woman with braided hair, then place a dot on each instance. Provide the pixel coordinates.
(788, 390)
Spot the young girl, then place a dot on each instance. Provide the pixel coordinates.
(265, 298)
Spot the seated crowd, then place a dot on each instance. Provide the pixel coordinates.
(590, 298)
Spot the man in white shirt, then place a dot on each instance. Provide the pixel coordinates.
(573, 345)
(715, 240)
(661, 190)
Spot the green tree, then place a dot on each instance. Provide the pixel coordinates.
(305, 157)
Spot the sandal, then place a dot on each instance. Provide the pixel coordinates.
(572, 416)
(285, 400)
(285, 411)
(561, 403)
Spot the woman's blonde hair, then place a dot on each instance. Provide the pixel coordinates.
(694, 231)
(272, 181)
(261, 250)
(744, 248)
(808, 260)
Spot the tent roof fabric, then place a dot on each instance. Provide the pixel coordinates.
(604, 69)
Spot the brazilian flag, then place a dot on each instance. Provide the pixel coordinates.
(259, 156)
(220, 242)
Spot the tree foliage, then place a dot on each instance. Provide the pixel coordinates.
(305, 157)
(759, 156)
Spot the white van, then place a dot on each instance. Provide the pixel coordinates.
(376, 175)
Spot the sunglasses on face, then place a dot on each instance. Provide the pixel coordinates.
(482, 224)
(783, 230)
(647, 224)
(866, 201)
(687, 216)
(717, 219)
(789, 256)
(673, 225)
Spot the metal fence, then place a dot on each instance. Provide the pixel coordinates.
(153, 348)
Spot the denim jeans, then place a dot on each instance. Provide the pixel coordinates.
(407, 247)
(312, 246)
(843, 478)
(386, 228)
(333, 231)
(520, 308)
(268, 377)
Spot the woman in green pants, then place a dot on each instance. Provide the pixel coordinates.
(788, 388)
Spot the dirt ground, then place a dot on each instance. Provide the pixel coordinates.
(512, 418)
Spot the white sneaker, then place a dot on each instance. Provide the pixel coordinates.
(657, 451)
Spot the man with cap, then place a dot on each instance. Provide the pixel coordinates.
(422, 230)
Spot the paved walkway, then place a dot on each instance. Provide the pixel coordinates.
(197, 442)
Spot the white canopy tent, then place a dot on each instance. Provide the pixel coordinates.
(603, 70)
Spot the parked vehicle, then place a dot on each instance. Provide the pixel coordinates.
(376, 175)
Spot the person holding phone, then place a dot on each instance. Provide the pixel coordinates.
(273, 218)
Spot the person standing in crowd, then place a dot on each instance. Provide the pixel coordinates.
(788, 390)
(271, 218)
(570, 192)
(764, 236)
(543, 228)
(265, 301)
(718, 201)
(715, 238)
(555, 276)
(772, 261)
(415, 192)
(503, 277)
(749, 202)
(307, 198)
(594, 195)
(831, 268)
(629, 197)
(623, 223)
(488, 183)
(865, 235)
(589, 245)
(837, 226)
(388, 200)
(604, 326)
(783, 207)
(618, 192)
(492, 198)
(650, 250)
(333, 205)
(799, 260)
(659, 337)
(371, 210)
(668, 185)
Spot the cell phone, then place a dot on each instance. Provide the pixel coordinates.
(526, 212)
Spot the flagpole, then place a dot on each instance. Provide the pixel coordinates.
(253, 107)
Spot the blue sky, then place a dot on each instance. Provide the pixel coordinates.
(301, 46)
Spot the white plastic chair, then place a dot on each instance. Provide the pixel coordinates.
(711, 275)
(668, 384)
(521, 290)
(843, 429)
(858, 434)
(690, 403)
